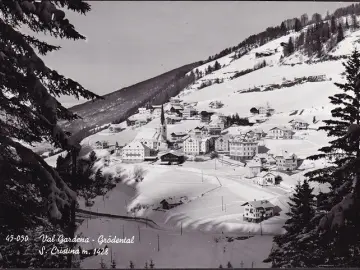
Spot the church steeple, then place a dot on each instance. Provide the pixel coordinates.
(162, 115)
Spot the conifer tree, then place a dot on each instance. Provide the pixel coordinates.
(298, 25)
(131, 265)
(347, 24)
(146, 265)
(29, 113)
(217, 66)
(283, 28)
(220, 266)
(355, 23)
(338, 230)
(287, 251)
(152, 265)
(113, 264)
(340, 35)
(229, 265)
(290, 46)
(333, 25)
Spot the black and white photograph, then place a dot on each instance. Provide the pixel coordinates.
(179, 134)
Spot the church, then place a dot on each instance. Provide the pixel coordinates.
(155, 139)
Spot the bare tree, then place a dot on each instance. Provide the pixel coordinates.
(138, 173)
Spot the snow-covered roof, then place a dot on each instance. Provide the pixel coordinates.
(263, 174)
(258, 204)
(286, 155)
(135, 145)
(254, 163)
(147, 134)
(283, 128)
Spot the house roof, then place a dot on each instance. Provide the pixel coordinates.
(260, 203)
(254, 163)
(178, 154)
(286, 155)
(282, 128)
(298, 120)
(263, 174)
(135, 145)
(147, 134)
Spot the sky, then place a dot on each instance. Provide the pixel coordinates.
(131, 41)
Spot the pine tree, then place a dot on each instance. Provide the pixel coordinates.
(298, 25)
(290, 46)
(229, 265)
(32, 112)
(220, 266)
(340, 35)
(347, 26)
(92, 157)
(131, 266)
(339, 228)
(283, 28)
(152, 265)
(146, 265)
(217, 66)
(355, 23)
(333, 25)
(113, 264)
(287, 250)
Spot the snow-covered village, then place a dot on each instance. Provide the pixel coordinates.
(248, 159)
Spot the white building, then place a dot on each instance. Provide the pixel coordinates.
(256, 211)
(266, 179)
(135, 152)
(254, 167)
(243, 148)
(157, 111)
(144, 111)
(222, 143)
(280, 133)
(286, 161)
(299, 124)
(204, 145)
(188, 112)
(175, 101)
(192, 145)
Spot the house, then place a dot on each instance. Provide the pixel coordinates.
(141, 122)
(192, 145)
(165, 205)
(176, 109)
(206, 116)
(149, 137)
(135, 152)
(143, 110)
(262, 110)
(299, 124)
(205, 145)
(257, 133)
(156, 111)
(199, 131)
(170, 120)
(243, 148)
(130, 121)
(257, 211)
(175, 101)
(172, 157)
(189, 112)
(254, 167)
(222, 143)
(286, 161)
(177, 136)
(280, 133)
(266, 179)
(116, 128)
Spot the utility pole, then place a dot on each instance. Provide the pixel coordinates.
(158, 237)
(139, 233)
